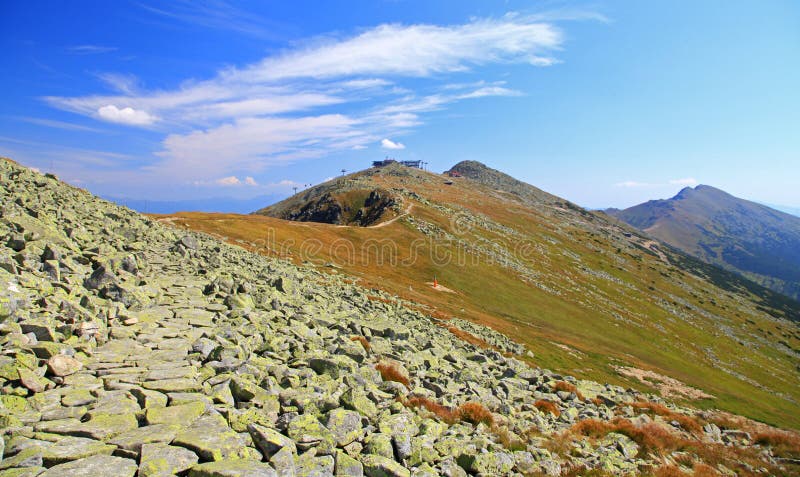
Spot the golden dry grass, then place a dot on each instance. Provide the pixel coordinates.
(567, 387)
(475, 413)
(363, 341)
(669, 471)
(783, 443)
(472, 412)
(688, 423)
(466, 336)
(547, 406)
(651, 437)
(391, 372)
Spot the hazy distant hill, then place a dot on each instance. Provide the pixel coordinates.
(215, 204)
(761, 243)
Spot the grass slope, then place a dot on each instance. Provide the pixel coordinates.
(584, 293)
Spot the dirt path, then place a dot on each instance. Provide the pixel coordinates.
(652, 246)
(391, 221)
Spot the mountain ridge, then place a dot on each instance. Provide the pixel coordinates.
(554, 275)
(749, 238)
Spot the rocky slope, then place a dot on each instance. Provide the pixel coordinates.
(341, 201)
(133, 348)
(754, 240)
(590, 296)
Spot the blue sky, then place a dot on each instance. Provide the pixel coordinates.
(603, 103)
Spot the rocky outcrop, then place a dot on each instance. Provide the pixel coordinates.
(129, 347)
(355, 207)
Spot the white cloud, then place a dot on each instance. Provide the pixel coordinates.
(228, 181)
(366, 83)
(358, 147)
(633, 184)
(389, 144)
(127, 115)
(490, 91)
(688, 181)
(232, 181)
(250, 144)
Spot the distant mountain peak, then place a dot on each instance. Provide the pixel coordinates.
(758, 242)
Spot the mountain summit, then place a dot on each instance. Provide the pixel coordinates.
(495, 179)
(761, 243)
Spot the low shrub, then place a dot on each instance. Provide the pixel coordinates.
(391, 372)
(783, 443)
(651, 437)
(472, 412)
(547, 406)
(442, 412)
(475, 413)
(363, 342)
(567, 387)
(669, 471)
(688, 423)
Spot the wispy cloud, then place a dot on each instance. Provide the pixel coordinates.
(278, 109)
(414, 50)
(90, 49)
(52, 123)
(121, 83)
(218, 15)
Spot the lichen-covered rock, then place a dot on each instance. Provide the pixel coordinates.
(70, 448)
(488, 463)
(211, 439)
(94, 466)
(29, 457)
(346, 466)
(233, 468)
(345, 426)
(380, 466)
(183, 414)
(133, 440)
(162, 459)
(269, 441)
(311, 465)
(379, 444)
(308, 432)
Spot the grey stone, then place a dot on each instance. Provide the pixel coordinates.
(233, 468)
(379, 466)
(160, 459)
(94, 466)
